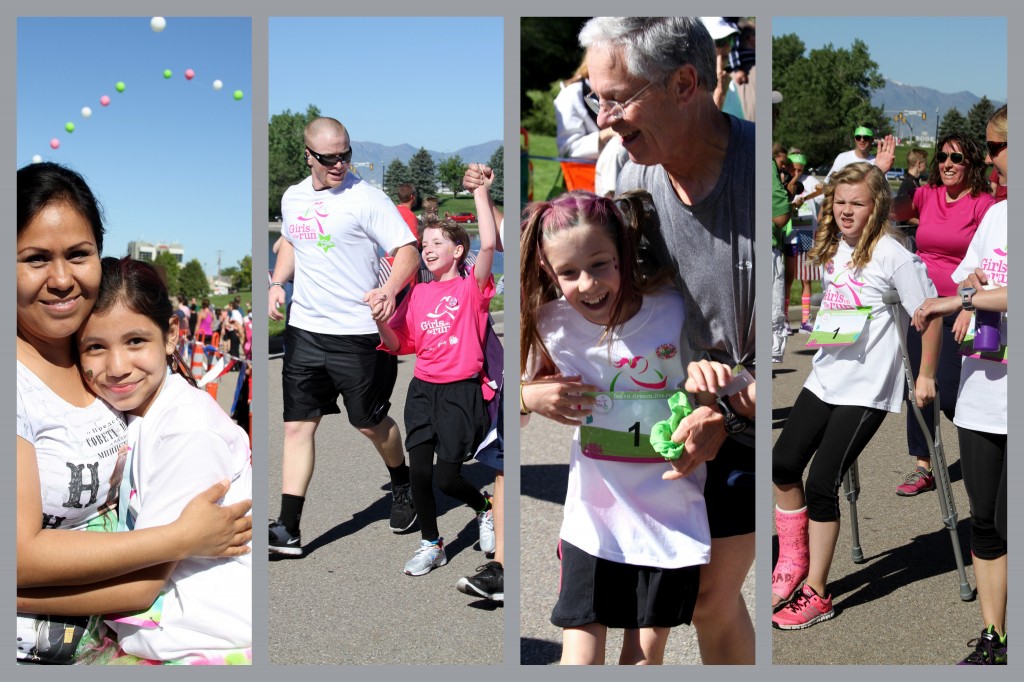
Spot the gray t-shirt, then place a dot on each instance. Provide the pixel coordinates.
(711, 246)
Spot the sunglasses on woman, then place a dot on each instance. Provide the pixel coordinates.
(955, 157)
(994, 148)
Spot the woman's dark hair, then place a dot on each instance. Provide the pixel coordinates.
(139, 287)
(974, 157)
(42, 184)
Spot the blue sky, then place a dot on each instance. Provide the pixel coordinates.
(170, 160)
(948, 54)
(434, 82)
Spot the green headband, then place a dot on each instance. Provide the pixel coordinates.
(861, 130)
(798, 158)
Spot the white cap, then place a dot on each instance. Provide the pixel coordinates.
(718, 27)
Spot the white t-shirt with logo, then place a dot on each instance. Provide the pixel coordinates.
(845, 159)
(337, 235)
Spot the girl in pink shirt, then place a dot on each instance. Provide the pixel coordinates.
(444, 323)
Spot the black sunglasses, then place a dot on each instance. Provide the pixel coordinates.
(330, 160)
(994, 148)
(861, 138)
(955, 157)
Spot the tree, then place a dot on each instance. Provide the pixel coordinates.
(286, 165)
(450, 173)
(497, 162)
(397, 173)
(977, 119)
(827, 94)
(952, 122)
(241, 279)
(192, 280)
(167, 262)
(422, 173)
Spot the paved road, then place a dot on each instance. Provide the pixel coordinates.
(902, 605)
(347, 601)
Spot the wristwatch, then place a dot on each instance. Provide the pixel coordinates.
(734, 423)
(277, 284)
(967, 297)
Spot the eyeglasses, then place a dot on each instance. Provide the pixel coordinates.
(616, 110)
(994, 148)
(330, 160)
(955, 157)
(863, 138)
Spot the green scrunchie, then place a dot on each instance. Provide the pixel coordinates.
(661, 432)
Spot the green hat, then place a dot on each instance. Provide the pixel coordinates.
(861, 130)
(798, 158)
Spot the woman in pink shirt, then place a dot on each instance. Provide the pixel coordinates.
(950, 208)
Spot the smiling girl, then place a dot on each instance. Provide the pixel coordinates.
(853, 384)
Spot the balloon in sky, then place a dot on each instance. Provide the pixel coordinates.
(167, 73)
(119, 86)
(37, 159)
(104, 100)
(157, 24)
(238, 95)
(54, 143)
(86, 112)
(189, 74)
(217, 85)
(69, 126)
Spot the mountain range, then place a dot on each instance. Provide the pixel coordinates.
(896, 96)
(381, 155)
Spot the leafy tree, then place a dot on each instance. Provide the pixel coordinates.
(286, 165)
(977, 119)
(422, 173)
(551, 52)
(192, 280)
(827, 94)
(167, 262)
(241, 279)
(953, 122)
(497, 162)
(397, 173)
(450, 172)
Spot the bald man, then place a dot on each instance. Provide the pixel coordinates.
(332, 226)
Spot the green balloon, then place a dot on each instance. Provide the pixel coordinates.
(119, 86)
(167, 73)
(238, 95)
(69, 126)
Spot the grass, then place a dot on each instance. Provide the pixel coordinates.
(547, 175)
(221, 301)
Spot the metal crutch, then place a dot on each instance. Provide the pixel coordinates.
(851, 489)
(947, 504)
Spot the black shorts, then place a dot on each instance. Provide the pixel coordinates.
(320, 367)
(594, 590)
(451, 415)
(729, 490)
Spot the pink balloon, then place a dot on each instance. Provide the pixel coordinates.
(104, 100)
(189, 74)
(54, 143)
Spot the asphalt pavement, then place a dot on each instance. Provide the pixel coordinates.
(347, 600)
(901, 605)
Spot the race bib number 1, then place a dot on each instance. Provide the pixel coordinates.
(619, 427)
(839, 327)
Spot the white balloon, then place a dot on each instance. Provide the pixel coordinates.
(86, 112)
(157, 24)
(37, 159)
(217, 84)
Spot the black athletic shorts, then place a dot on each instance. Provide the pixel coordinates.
(729, 490)
(320, 367)
(594, 590)
(452, 415)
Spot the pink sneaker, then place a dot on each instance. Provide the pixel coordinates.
(791, 567)
(804, 611)
(919, 481)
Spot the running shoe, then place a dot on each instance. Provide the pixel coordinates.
(804, 611)
(485, 520)
(403, 513)
(989, 649)
(806, 327)
(283, 542)
(919, 481)
(429, 556)
(488, 583)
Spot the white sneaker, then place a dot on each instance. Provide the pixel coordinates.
(429, 556)
(485, 520)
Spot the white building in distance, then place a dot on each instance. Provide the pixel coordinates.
(148, 251)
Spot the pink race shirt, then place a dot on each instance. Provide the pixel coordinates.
(945, 231)
(444, 324)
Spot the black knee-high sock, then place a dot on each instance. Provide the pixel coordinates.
(399, 475)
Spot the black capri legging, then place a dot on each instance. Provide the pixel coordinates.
(837, 433)
(983, 461)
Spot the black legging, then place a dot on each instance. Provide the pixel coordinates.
(947, 381)
(449, 481)
(838, 433)
(983, 462)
